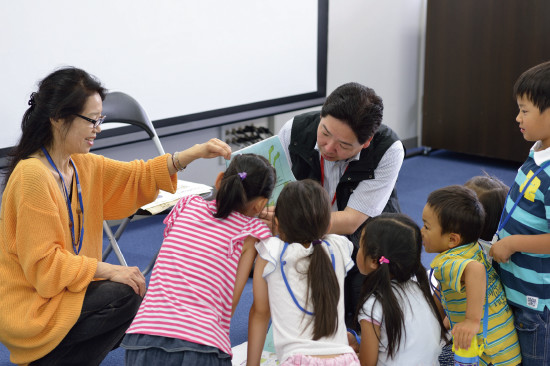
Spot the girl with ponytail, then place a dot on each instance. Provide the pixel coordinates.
(201, 270)
(400, 322)
(299, 282)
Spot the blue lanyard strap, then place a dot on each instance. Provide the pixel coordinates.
(67, 200)
(502, 222)
(283, 262)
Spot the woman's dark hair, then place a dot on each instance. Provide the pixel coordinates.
(247, 177)
(358, 106)
(303, 216)
(60, 95)
(397, 238)
(491, 193)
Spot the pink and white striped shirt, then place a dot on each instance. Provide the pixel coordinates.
(190, 292)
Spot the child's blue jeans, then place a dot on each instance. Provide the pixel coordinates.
(534, 335)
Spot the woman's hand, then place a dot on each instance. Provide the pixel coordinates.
(207, 150)
(212, 148)
(130, 276)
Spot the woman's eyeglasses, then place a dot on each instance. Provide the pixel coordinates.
(95, 123)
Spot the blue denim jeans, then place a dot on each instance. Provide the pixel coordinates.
(108, 310)
(534, 335)
(145, 350)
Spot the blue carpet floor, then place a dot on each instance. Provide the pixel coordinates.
(419, 175)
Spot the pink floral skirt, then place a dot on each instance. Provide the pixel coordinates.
(347, 359)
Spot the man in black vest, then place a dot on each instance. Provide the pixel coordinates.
(356, 159)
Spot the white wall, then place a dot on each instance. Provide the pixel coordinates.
(379, 44)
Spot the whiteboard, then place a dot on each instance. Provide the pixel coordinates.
(180, 59)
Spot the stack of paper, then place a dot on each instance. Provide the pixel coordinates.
(166, 200)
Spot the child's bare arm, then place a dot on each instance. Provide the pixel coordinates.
(475, 282)
(502, 250)
(258, 320)
(368, 349)
(246, 262)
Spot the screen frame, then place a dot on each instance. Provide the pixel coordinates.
(127, 134)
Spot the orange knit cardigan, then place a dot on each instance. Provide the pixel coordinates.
(42, 281)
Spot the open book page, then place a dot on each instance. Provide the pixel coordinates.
(239, 356)
(166, 200)
(273, 151)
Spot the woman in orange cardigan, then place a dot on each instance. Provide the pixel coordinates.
(53, 308)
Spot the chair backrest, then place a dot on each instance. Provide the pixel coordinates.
(122, 108)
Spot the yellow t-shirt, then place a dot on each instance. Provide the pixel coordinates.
(501, 346)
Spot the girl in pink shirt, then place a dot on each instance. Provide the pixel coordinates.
(202, 268)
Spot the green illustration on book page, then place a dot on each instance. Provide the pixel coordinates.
(273, 151)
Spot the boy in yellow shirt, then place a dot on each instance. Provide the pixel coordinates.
(453, 219)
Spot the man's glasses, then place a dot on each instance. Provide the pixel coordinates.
(96, 123)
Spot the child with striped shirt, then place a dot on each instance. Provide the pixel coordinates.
(523, 250)
(201, 270)
(453, 219)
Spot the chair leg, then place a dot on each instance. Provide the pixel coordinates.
(114, 244)
(117, 236)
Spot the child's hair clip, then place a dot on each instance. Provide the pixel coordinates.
(383, 260)
(242, 175)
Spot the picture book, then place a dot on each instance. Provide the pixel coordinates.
(273, 151)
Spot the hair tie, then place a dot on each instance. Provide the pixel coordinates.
(383, 260)
(31, 101)
(315, 242)
(242, 175)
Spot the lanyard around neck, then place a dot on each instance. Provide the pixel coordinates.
(75, 246)
(323, 178)
(504, 221)
(331, 252)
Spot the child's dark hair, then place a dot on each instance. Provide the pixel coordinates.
(534, 84)
(303, 216)
(247, 177)
(396, 237)
(459, 211)
(491, 193)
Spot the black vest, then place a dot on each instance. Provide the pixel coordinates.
(306, 163)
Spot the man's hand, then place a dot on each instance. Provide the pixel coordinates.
(267, 216)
